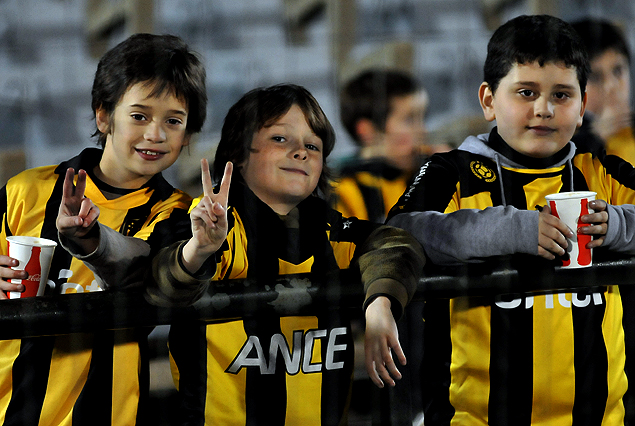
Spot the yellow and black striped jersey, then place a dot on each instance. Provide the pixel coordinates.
(521, 359)
(622, 144)
(367, 190)
(294, 370)
(100, 378)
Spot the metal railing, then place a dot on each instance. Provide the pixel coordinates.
(293, 295)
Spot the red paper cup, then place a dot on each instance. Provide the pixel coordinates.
(34, 255)
(569, 206)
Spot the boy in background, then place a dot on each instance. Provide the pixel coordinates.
(148, 99)
(383, 112)
(609, 114)
(525, 358)
(609, 119)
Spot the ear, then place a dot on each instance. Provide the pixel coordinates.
(102, 118)
(486, 98)
(186, 140)
(366, 131)
(582, 109)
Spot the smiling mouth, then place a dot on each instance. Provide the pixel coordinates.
(148, 152)
(298, 171)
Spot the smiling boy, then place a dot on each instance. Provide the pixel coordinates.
(263, 369)
(148, 137)
(522, 359)
(148, 99)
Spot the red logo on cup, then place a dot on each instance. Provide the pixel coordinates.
(34, 255)
(584, 254)
(33, 269)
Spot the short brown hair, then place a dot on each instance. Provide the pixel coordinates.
(164, 62)
(259, 108)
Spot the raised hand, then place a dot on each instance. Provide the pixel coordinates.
(77, 214)
(209, 219)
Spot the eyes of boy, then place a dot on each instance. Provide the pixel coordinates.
(170, 121)
(308, 145)
(528, 93)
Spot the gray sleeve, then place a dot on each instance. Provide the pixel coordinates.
(470, 235)
(620, 233)
(119, 261)
(171, 283)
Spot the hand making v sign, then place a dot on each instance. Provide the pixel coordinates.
(77, 214)
(209, 220)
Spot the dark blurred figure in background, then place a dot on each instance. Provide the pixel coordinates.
(383, 112)
(609, 120)
(608, 124)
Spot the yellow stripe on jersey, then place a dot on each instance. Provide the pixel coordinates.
(237, 243)
(554, 385)
(66, 381)
(26, 202)
(536, 190)
(288, 268)
(125, 394)
(9, 350)
(536, 171)
(470, 350)
(477, 201)
(455, 202)
(621, 144)
(225, 403)
(343, 252)
(350, 200)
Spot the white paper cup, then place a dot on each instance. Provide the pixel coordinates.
(569, 206)
(34, 255)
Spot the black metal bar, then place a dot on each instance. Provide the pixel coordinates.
(292, 295)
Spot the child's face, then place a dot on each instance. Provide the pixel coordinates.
(537, 108)
(144, 136)
(405, 130)
(285, 162)
(609, 83)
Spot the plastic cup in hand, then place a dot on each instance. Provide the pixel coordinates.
(34, 255)
(569, 206)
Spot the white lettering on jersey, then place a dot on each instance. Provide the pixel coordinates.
(330, 365)
(303, 345)
(66, 274)
(417, 179)
(549, 300)
(307, 367)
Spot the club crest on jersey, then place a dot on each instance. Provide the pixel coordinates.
(482, 171)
